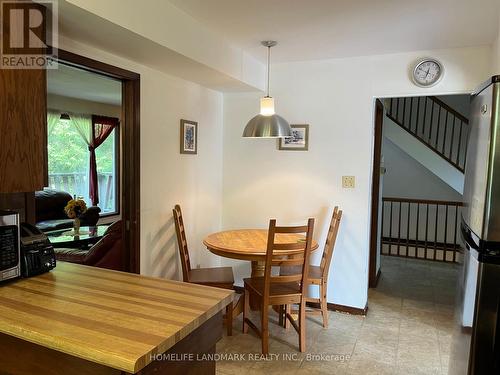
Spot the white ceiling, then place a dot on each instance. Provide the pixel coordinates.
(80, 84)
(319, 29)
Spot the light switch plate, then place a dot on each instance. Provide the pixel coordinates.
(348, 182)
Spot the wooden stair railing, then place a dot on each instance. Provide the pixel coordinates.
(435, 124)
(421, 228)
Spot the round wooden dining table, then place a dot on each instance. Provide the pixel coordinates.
(251, 245)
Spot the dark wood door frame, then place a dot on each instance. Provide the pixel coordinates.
(130, 132)
(373, 275)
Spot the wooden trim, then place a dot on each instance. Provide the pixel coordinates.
(466, 330)
(428, 259)
(131, 173)
(419, 243)
(341, 308)
(423, 201)
(377, 152)
(95, 66)
(449, 109)
(130, 135)
(377, 279)
(422, 248)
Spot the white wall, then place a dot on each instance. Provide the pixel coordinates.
(167, 177)
(496, 52)
(460, 103)
(182, 44)
(407, 178)
(336, 97)
(425, 157)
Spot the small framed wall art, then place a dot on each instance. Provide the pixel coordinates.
(189, 137)
(299, 141)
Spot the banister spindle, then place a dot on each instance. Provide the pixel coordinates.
(399, 230)
(425, 117)
(411, 112)
(426, 228)
(459, 143)
(438, 127)
(436, 232)
(397, 109)
(418, 115)
(432, 120)
(444, 136)
(452, 137)
(404, 112)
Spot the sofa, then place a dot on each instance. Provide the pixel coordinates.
(107, 253)
(50, 215)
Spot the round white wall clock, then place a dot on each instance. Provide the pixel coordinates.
(427, 72)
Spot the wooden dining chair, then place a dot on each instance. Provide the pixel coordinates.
(219, 277)
(318, 275)
(281, 290)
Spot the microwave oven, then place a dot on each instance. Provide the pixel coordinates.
(10, 265)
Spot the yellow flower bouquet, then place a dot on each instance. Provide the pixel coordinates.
(75, 208)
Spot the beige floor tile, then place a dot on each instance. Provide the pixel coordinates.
(407, 330)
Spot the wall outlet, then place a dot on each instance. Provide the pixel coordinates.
(348, 182)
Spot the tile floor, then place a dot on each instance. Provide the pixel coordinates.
(407, 331)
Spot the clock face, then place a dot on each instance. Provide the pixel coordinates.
(427, 73)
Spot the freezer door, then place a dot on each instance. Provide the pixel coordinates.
(491, 226)
(478, 161)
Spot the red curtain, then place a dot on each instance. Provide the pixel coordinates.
(102, 127)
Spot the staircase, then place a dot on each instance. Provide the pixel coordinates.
(434, 123)
(435, 135)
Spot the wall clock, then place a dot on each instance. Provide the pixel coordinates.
(427, 72)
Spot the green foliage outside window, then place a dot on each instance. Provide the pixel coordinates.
(68, 152)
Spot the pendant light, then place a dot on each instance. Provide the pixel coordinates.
(267, 124)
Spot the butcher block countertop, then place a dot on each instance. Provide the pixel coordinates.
(111, 318)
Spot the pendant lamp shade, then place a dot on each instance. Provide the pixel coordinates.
(273, 126)
(267, 124)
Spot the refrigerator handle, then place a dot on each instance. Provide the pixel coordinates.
(468, 240)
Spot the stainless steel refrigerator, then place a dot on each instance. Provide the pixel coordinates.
(476, 341)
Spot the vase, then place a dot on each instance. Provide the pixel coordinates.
(76, 226)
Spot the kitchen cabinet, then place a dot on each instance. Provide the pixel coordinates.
(23, 130)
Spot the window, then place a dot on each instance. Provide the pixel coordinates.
(68, 159)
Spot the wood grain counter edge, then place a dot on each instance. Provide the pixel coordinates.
(131, 365)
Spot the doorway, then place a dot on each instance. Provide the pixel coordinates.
(420, 146)
(419, 159)
(117, 188)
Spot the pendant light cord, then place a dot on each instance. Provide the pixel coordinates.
(268, 68)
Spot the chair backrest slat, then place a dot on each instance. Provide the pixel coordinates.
(299, 261)
(296, 230)
(286, 279)
(330, 242)
(182, 242)
(289, 246)
(291, 262)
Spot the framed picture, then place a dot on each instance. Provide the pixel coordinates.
(299, 141)
(189, 137)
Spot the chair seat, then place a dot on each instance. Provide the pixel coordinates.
(217, 276)
(256, 284)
